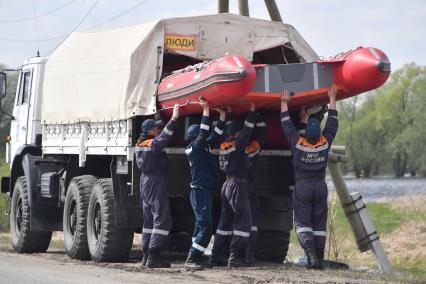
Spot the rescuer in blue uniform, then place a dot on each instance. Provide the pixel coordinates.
(153, 163)
(235, 219)
(310, 155)
(304, 115)
(204, 180)
(253, 150)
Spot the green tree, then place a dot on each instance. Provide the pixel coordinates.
(6, 104)
(383, 130)
(398, 113)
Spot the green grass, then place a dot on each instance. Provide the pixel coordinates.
(4, 220)
(387, 220)
(384, 217)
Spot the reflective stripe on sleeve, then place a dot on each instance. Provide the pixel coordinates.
(333, 116)
(320, 233)
(168, 132)
(188, 151)
(253, 154)
(301, 131)
(143, 149)
(160, 232)
(249, 124)
(304, 230)
(254, 228)
(200, 248)
(146, 231)
(260, 124)
(226, 152)
(205, 127)
(218, 131)
(241, 233)
(224, 233)
(285, 118)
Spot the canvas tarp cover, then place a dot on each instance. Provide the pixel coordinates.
(111, 74)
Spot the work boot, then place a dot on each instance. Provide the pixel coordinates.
(320, 254)
(144, 257)
(205, 260)
(236, 260)
(217, 258)
(194, 262)
(154, 261)
(313, 260)
(250, 256)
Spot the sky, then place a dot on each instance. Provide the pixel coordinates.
(330, 26)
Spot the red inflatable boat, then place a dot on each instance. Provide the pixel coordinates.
(220, 82)
(232, 80)
(354, 72)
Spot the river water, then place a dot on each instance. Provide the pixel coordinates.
(373, 189)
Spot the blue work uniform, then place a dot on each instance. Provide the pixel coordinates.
(204, 179)
(253, 151)
(154, 163)
(235, 219)
(300, 127)
(310, 194)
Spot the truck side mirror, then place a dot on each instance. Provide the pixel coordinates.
(3, 85)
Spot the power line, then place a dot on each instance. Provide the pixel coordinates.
(89, 28)
(118, 16)
(39, 16)
(36, 26)
(77, 26)
(32, 40)
(56, 37)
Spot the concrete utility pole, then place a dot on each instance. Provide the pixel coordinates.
(274, 13)
(223, 6)
(356, 212)
(244, 8)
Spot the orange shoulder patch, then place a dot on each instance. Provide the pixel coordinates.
(302, 141)
(146, 143)
(227, 145)
(253, 147)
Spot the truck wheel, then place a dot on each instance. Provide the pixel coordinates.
(272, 245)
(25, 240)
(106, 241)
(183, 225)
(75, 217)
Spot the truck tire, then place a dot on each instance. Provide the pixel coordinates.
(106, 241)
(272, 245)
(183, 221)
(75, 216)
(25, 240)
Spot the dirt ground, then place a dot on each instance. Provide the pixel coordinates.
(55, 267)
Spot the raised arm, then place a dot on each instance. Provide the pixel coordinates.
(332, 123)
(201, 139)
(162, 141)
(243, 139)
(286, 123)
(260, 130)
(216, 135)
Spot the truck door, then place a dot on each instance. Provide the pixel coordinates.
(19, 126)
